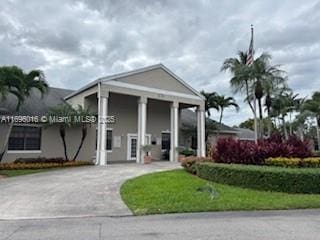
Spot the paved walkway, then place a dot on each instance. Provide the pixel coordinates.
(260, 225)
(73, 192)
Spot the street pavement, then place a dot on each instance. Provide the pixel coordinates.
(258, 225)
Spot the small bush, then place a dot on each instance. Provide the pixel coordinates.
(283, 162)
(262, 177)
(16, 166)
(187, 152)
(188, 163)
(247, 152)
(312, 162)
(40, 160)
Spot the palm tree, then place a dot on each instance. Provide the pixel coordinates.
(240, 81)
(267, 79)
(81, 112)
(283, 104)
(256, 80)
(313, 105)
(13, 80)
(209, 102)
(224, 102)
(63, 111)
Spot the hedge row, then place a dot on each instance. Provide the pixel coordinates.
(262, 177)
(311, 162)
(16, 166)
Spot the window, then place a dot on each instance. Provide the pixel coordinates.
(25, 138)
(165, 141)
(194, 142)
(109, 139)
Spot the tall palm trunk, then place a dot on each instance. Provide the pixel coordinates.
(220, 121)
(83, 137)
(318, 133)
(261, 127)
(300, 129)
(268, 104)
(6, 141)
(269, 123)
(285, 132)
(290, 125)
(62, 131)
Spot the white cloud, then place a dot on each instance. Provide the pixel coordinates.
(77, 41)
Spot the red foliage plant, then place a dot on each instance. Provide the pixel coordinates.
(229, 150)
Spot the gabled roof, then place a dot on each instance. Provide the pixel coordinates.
(34, 105)
(245, 134)
(189, 118)
(136, 71)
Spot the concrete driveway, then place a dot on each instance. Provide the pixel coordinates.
(73, 192)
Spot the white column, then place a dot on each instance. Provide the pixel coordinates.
(201, 151)
(174, 135)
(103, 112)
(142, 125)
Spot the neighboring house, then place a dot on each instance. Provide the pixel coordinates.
(245, 134)
(214, 130)
(146, 104)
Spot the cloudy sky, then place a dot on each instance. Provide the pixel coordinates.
(76, 41)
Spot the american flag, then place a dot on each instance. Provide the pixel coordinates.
(251, 50)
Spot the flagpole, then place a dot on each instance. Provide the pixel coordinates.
(254, 98)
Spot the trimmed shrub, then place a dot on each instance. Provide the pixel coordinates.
(312, 162)
(283, 162)
(247, 152)
(16, 166)
(262, 177)
(187, 152)
(188, 163)
(40, 160)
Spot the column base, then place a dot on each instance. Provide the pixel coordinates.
(103, 158)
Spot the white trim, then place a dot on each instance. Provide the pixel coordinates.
(151, 90)
(182, 82)
(174, 136)
(98, 126)
(103, 131)
(129, 73)
(23, 151)
(129, 137)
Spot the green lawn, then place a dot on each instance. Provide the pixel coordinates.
(178, 191)
(13, 173)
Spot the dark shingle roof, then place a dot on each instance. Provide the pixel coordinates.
(245, 134)
(189, 118)
(34, 105)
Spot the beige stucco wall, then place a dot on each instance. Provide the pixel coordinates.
(51, 145)
(125, 110)
(157, 78)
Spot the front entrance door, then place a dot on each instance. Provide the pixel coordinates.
(132, 145)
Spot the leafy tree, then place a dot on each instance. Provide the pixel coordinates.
(62, 111)
(249, 123)
(82, 113)
(210, 101)
(255, 80)
(313, 105)
(66, 111)
(13, 80)
(224, 102)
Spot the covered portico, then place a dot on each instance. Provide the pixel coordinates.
(143, 95)
(146, 104)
